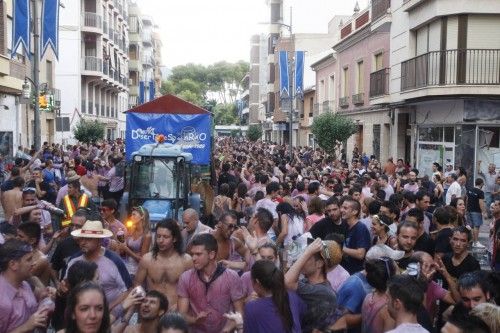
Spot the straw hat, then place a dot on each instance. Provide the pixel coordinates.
(71, 176)
(92, 229)
(331, 253)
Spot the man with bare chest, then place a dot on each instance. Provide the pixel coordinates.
(162, 267)
(232, 252)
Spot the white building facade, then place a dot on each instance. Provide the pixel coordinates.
(93, 64)
(445, 82)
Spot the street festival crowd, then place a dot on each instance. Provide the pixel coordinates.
(304, 244)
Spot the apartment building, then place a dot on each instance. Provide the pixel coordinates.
(93, 63)
(445, 82)
(357, 72)
(145, 57)
(17, 114)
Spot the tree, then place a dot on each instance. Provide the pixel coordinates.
(254, 132)
(89, 131)
(225, 114)
(331, 130)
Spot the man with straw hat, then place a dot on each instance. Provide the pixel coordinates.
(314, 289)
(113, 275)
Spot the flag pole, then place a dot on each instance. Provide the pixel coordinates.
(36, 77)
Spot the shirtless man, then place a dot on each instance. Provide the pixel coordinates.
(12, 199)
(232, 252)
(162, 267)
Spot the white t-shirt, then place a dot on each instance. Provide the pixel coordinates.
(409, 328)
(454, 189)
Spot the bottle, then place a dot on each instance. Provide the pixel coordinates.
(120, 235)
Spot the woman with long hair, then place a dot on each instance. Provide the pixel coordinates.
(276, 309)
(87, 310)
(138, 240)
(460, 209)
(291, 227)
(376, 318)
(315, 210)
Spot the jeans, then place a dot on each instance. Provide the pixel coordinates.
(488, 199)
(475, 219)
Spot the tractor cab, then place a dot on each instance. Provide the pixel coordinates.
(159, 181)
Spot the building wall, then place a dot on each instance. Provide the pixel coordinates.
(365, 51)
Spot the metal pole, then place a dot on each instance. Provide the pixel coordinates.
(36, 77)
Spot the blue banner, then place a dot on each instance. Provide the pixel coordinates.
(151, 90)
(284, 76)
(191, 131)
(141, 92)
(21, 27)
(50, 27)
(299, 74)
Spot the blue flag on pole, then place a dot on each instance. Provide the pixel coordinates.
(50, 27)
(284, 75)
(21, 27)
(299, 74)
(151, 90)
(141, 92)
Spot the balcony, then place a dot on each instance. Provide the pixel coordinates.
(147, 60)
(92, 66)
(92, 22)
(146, 38)
(133, 65)
(379, 83)
(344, 102)
(452, 68)
(358, 99)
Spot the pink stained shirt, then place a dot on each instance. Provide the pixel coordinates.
(433, 293)
(337, 277)
(16, 305)
(214, 297)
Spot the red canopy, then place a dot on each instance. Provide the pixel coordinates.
(169, 104)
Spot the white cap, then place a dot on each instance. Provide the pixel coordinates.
(379, 251)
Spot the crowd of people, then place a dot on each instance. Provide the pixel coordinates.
(285, 242)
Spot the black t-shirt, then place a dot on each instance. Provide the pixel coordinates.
(50, 193)
(469, 264)
(425, 243)
(473, 196)
(403, 262)
(63, 252)
(326, 226)
(443, 241)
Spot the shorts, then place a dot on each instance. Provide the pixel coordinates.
(475, 219)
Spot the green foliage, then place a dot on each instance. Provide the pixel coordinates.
(254, 132)
(196, 83)
(89, 131)
(225, 114)
(331, 130)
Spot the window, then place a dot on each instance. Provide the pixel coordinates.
(378, 62)
(49, 74)
(331, 88)
(345, 82)
(359, 77)
(311, 106)
(321, 95)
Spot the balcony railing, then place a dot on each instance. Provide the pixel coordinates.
(146, 38)
(379, 83)
(93, 64)
(344, 101)
(358, 99)
(92, 20)
(452, 67)
(379, 8)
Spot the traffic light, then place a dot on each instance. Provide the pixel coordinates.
(42, 101)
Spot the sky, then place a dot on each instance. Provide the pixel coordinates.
(207, 31)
